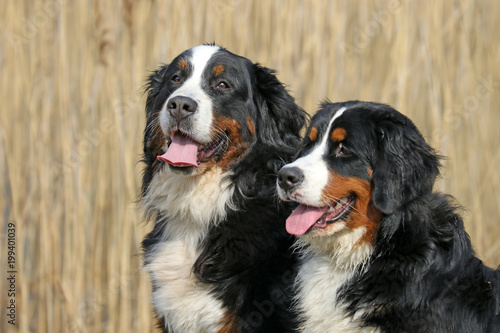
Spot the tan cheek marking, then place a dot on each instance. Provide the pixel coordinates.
(183, 64)
(339, 134)
(251, 125)
(313, 135)
(218, 70)
(364, 213)
(237, 147)
(339, 187)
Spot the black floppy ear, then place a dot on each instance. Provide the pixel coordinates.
(152, 88)
(154, 102)
(278, 122)
(406, 166)
(279, 119)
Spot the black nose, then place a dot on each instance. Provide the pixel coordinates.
(181, 107)
(289, 177)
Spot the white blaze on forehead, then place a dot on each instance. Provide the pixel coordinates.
(192, 88)
(200, 55)
(314, 168)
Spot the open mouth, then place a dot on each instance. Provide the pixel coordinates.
(304, 218)
(183, 151)
(207, 151)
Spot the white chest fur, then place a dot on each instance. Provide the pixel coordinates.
(190, 204)
(318, 283)
(179, 297)
(199, 200)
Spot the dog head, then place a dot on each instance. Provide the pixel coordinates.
(358, 163)
(209, 108)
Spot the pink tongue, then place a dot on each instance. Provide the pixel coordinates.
(303, 218)
(182, 151)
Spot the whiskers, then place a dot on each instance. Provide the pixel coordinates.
(153, 126)
(336, 200)
(220, 135)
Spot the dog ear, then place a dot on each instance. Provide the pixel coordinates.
(279, 120)
(406, 166)
(152, 88)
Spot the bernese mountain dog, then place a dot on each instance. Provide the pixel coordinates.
(219, 127)
(381, 252)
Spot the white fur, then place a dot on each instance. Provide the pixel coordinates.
(318, 281)
(179, 297)
(192, 88)
(196, 200)
(340, 245)
(315, 171)
(190, 204)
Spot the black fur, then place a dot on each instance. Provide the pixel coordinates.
(423, 275)
(429, 280)
(154, 102)
(406, 166)
(246, 259)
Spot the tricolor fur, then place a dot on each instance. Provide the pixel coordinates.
(219, 127)
(382, 252)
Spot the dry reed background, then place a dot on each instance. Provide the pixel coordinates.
(72, 118)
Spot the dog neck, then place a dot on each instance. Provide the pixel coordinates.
(189, 204)
(343, 249)
(319, 281)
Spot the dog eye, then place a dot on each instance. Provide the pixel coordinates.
(222, 85)
(176, 78)
(341, 151)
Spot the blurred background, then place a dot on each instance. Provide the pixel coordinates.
(72, 119)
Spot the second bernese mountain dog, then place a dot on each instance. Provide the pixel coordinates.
(219, 128)
(382, 252)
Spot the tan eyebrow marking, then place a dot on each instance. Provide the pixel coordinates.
(218, 70)
(313, 135)
(339, 134)
(183, 64)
